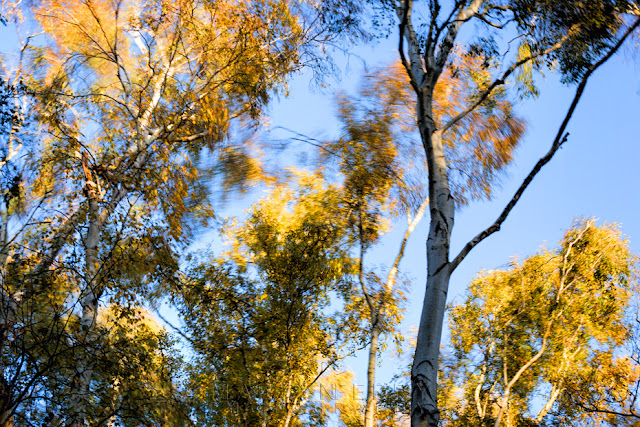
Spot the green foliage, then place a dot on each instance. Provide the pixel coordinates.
(590, 28)
(394, 404)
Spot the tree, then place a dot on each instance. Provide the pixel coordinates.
(578, 37)
(382, 178)
(258, 318)
(22, 334)
(382, 175)
(133, 381)
(522, 336)
(379, 183)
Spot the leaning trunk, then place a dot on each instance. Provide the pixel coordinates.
(290, 406)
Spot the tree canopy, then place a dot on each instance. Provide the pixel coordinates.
(129, 297)
(525, 337)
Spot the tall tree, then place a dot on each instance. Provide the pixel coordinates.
(23, 333)
(576, 36)
(134, 381)
(379, 182)
(258, 317)
(378, 156)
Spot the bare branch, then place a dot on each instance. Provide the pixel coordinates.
(464, 15)
(484, 19)
(175, 328)
(414, 68)
(391, 278)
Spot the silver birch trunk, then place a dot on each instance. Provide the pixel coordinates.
(80, 387)
(424, 372)
(370, 406)
(555, 392)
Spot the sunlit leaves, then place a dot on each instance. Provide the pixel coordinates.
(590, 29)
(380, 132)
(482, 144)
(258, 317)
(377, 153)
(536, 327)
(135, 102)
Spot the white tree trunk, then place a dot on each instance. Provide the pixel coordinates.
(80, 387)
(370, 406)
(424, 373)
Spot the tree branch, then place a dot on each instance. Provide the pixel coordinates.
(464, 15)
(414, 68)
(500, 81)
(557, 143)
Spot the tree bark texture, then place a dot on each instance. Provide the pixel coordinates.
(424, 372)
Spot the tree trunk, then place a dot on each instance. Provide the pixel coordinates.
(81, 385)
(290, 406)
(84, 369)
(424, 373)
(504, 404)
(555, 392)
(370, 407)
(6, 402)
(6, 419)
